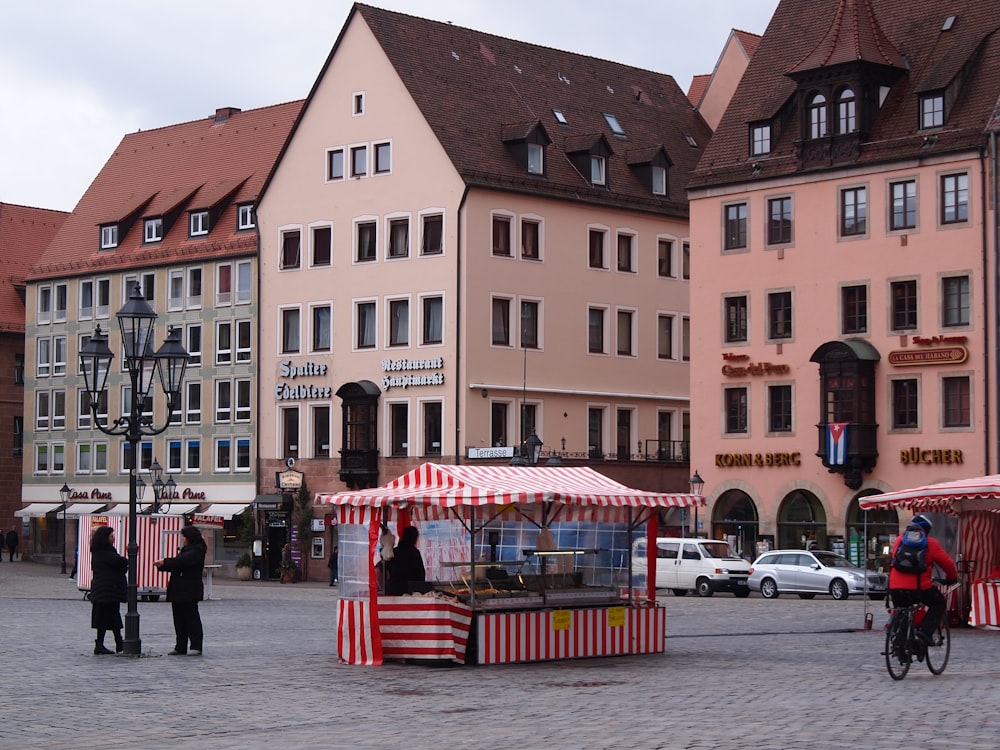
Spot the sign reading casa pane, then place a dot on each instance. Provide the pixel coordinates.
(413, 369)
(288, 390)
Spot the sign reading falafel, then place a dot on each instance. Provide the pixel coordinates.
(412, 372)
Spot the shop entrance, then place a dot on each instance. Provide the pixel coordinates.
(735, 520)
(277, 537)
(802, 522)
(870, 534)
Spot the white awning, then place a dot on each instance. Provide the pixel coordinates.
(176, 509)
(226, 510)
(37, 510)
(83, 509)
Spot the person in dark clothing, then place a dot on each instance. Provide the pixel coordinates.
(332, 565)
(12, 542)
(185, 589)
(108, 588)
(406, 564)
(4, 538)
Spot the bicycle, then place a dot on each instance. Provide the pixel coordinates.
(902, 646)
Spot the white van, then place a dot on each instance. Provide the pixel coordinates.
(702, 565)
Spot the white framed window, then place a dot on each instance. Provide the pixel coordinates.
(223, 455)
(289, 426)
(85, 296)
(532, 237)
(223, 401)
(431, 319)
(319, 417)
(193, 290)
(224, 342)
(431, 234)
(500, 308)
(290, 255)
(109, 237)
(245, 218)
(199, 223)
(666, 261)
(357, 103)
(58, 355)
(398, 325)
(383, 158)
(659, 177)
(43, 410)
(932, 110)
(321, 317)
(192, 455)
(359, 161)
(597, 170)
(244, 394)
(43, 360)
(244, 333)
(192, 402)
(365, 324)
(597, 329)
(431, 427)
(322, 244)
(398, 237)
(244, 282)
(291, 330)
(334, 164)
(152, 229)
(242, 462)
(84, 464)
(665, 336)
(597, 246)
(760, 139)
(501, 227)
(626, 242)
(536, 158)
(531, 323)
(192, 335)
(175, 456)
(626, 333)
(103, 290)
(223, 284)
(175, 289)
(44, 305)
(365, 239)
(60, 301)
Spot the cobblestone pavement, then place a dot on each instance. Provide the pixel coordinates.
(737, 673)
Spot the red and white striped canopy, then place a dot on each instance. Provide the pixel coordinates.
(977, 493)
(450, 486)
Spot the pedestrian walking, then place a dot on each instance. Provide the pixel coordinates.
(332, 565)
(12, 541)
(107, 589)
(184, 590)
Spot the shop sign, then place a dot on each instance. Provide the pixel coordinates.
(284, 391)
(502, 451)
(411, 366)
(729, 460)
(946, 355)
(745, 368)
(201, 519)
(94, 494)
(917, 455)
(561, 619)
(289, 480)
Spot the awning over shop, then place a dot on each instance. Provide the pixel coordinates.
(226, 510)
(37, 510)
(176, 509)
(84, 509)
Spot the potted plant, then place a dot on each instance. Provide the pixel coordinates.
(244, 567)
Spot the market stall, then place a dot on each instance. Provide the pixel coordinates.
(523, 564)
(976, 503)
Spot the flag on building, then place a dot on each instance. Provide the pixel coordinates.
(836, 443)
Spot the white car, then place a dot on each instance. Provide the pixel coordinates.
(807, 573)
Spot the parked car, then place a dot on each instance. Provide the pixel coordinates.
(807, 573)
(702, 565)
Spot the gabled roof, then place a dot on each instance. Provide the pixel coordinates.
(24, 234)
(469, 85)
(697, 88)
(207, 163)
(854, 35)
(934, 58)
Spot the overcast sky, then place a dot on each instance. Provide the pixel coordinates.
(75, 77)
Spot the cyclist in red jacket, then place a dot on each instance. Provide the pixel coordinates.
(907, 588)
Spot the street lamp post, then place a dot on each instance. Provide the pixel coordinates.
(529, 451)
(137, 321)
(697, 485)
(64, 494)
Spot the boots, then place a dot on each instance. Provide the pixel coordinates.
(119, 643)
(100, 650)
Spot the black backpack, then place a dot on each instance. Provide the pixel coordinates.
(911, 554)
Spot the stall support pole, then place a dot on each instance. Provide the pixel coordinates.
(652, 529)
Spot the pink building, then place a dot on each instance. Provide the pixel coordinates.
(469, 240)
(843, 260)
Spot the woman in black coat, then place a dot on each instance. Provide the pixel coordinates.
(107, 589)
(185, 589)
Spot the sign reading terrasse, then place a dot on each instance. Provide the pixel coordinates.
(410, 366)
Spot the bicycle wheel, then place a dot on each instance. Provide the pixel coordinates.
(897, 653)
(940, 650)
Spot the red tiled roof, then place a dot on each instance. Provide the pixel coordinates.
(469, 85)
(697, 88)
(748, 40)
(192, 165)
(853, 35)
(934, 58)
(24, 234)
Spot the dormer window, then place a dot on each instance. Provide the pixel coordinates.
(245, 218)
(847, 112)
(536, 158)
(560, 117)
(615, 126)
(109, 237)
(760, 139)
(597, 170)
(659, 175)
(153, 230)
(199, 223)
(932, 111)
(817, 116)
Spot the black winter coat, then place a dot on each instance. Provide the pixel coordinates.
(185, 584)
(109, 584)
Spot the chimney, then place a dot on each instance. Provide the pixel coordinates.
(224, 113)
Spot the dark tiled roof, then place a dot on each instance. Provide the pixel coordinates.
(470, 86)
(749, 40)
(24, 234)
(935, 58)
(853, 35)
(192, 165)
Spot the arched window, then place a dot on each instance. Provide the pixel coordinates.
(817, 116)
(847, 115)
